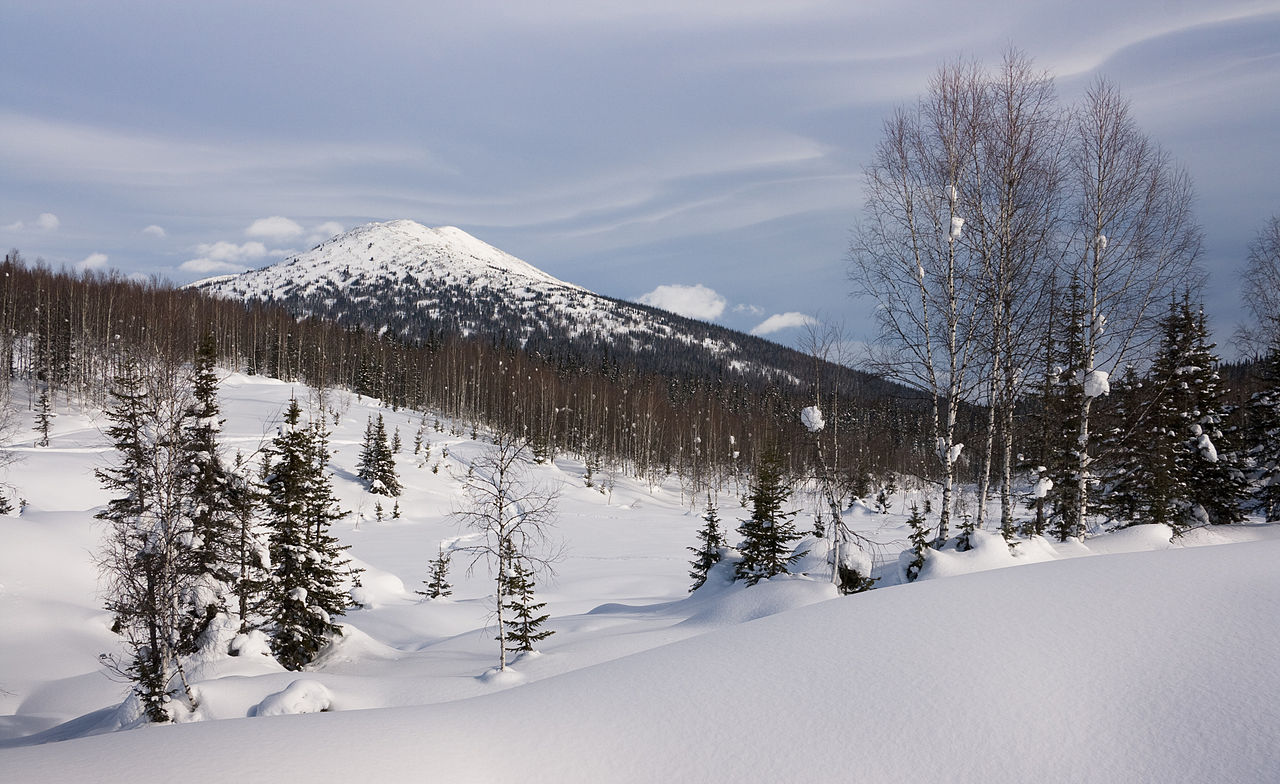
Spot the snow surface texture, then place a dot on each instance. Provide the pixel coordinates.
(1148, 664)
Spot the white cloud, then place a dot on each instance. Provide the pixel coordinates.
(781, 321)
(48, 222)
(277, 227)
(15, 226)
(205, 266)
(696, 301)
(223, 256)
(154, 231)
(754, 310)
(231, 252)
(93, 261)
(323, 231)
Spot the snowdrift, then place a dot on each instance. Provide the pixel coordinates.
(1153, 666)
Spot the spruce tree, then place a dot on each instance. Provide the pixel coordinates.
(1263, 438)
(1061, 411)
(307, 562)
(44, 415)
(438, 584)
(524, 625)
(710, 543)
(1216, 480)
(768, 535)
(919, 542)
(147, 561)
(212, 502)
(377, 465)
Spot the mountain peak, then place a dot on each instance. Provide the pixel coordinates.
(385, 253)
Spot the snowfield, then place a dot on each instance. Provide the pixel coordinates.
(1152, 662)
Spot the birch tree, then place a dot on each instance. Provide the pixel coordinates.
(1135, 240)
(507, 512)
(911, 257)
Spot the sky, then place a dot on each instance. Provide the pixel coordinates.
(701, 156)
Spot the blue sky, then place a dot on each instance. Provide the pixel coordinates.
(714, 149)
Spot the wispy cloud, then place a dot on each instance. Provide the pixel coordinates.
(93, 261)
(154, 231)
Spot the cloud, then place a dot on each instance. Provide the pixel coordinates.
(205, 266)
(323, 231)
(277, 227)
(781, 321)
(15, 226)
(154, 231)
(93, 261)
(754, 310)
(223, 256)
(696, 301)
(48, 222)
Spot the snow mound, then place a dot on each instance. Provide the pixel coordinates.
(301, 696)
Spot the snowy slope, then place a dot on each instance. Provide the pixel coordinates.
(415, 282)
(1149, 663)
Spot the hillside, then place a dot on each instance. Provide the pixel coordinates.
(418, 283)
(1142, 663)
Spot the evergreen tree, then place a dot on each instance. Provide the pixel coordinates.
(44, 415)
(1216, 478)
(211, 502)
(438, 585)
(525, 622)
(307, 561)
(710, 543)
(1263, 436)
(768, 535)
(147, 561)
(1061, 410)
(919, 542)
(377, 465)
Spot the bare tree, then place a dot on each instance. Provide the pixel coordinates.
(1016, 209)
(1135, 239)
(1261, 295)
(513, 517)
(910, 255)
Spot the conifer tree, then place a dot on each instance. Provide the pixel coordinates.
(1216, 478)
(524, 627)
(307, 562)
(212, 504)
(768, 535)
(44, 416)
(1063, 458)
(377, 465)
(146, 564)
(1263, 436)
(919, 542)
(438, 585)
(710, 543)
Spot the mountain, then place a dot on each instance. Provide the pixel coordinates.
(418, 284)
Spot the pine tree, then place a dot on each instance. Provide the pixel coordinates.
(438, 585)
(768, 536)
(1216, 478)
(307, 561)
(525, 622)
(710, 543)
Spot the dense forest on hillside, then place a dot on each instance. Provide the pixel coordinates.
(72, 331)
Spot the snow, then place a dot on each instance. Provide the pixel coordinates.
(1042, 487)
(1097, 383)
(811, 418)
(1138, 655)
(1208, 451)
(957, 227)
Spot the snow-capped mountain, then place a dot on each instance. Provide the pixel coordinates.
(419, 283)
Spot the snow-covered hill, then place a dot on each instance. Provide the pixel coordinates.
(418, 282)
(1149, 663)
